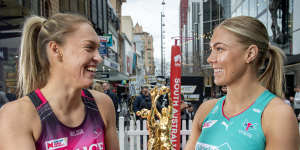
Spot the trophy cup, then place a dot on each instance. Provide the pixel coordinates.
(159, 129)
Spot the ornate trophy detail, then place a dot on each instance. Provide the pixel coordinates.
(159, 130)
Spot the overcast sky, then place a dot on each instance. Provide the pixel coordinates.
(148, 14)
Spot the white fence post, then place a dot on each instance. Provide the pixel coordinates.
(121, 133)
(144, 136)
(138, 138)
(131, 138)
(183, 136)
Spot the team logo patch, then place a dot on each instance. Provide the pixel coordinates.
(209, 123)
(249, 126)
(57, 143)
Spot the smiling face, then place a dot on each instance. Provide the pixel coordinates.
(227, 58)
(80, 56)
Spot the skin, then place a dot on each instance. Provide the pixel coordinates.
(239, 73)
(145, 91)
(106, 86)
(20, 123)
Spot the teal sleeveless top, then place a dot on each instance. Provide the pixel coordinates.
(240, 132)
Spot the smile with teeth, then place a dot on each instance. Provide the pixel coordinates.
(218, 70)
(92, 69)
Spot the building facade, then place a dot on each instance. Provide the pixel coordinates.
(104, 17)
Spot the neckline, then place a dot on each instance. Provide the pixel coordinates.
(239, 113)
(44, 100)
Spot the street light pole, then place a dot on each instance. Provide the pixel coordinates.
(162, 24)
(161, 44)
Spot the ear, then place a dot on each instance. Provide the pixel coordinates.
(55, 49)
(251, 53)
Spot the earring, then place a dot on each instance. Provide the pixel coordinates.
(59, 53)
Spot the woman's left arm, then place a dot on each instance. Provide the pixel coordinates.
(107, 110)
(280, 126)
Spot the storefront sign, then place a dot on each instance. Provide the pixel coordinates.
(104, 75)
(109, 40)
(107, 62)
(175, 84)
(188, 89)
(103, 49)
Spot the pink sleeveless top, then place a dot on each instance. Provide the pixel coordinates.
(89, 135)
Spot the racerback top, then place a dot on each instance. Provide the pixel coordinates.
(89, 135)
(240, 132)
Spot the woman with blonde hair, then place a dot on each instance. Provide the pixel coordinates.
(58, 61)
(252, 116)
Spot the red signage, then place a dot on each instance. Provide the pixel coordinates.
(175, 85)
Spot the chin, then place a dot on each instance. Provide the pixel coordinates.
(219, 83)
(87, 84)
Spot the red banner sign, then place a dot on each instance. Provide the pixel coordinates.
(175, 85)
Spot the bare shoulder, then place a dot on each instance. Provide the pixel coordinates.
(280, 126)
(19, 111)
(278, 109)
(206, 106)
(19, 116)
(204, 109)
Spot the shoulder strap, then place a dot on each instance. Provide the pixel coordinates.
(86, 94)
(35, 99)
(264, 99)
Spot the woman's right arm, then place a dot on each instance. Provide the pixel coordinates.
(16, 126)
(200, 115)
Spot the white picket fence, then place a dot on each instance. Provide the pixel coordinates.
(130, 137)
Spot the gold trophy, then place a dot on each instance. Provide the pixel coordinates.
(159, 130)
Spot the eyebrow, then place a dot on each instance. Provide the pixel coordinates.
(92, 42)
(215, 44)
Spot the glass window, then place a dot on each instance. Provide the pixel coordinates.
(264, 19)
(269, 24)
(239, 11)
(245, 8)
(261, 5)
(252, 7)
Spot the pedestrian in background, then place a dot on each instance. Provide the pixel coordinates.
(112, 95)
(3, 98)
(143, 101)
(98, 87)
(10, 94)
(252, 115)
(297, 100)
(58, 60)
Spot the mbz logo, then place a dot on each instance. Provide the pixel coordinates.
(209, 123)
(57, 143)
(177, 60)
(248, 125)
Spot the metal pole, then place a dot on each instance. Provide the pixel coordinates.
(161, 44)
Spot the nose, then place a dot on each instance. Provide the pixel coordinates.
(97, 57)
(211, 58)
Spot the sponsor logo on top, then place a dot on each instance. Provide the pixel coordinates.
(209, 123)
(57, 143)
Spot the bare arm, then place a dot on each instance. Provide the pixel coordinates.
(200, 115)
(280, 126)
(107, 111)
(16, 126)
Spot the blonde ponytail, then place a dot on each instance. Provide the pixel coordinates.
(273, 76)
(29, 66)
